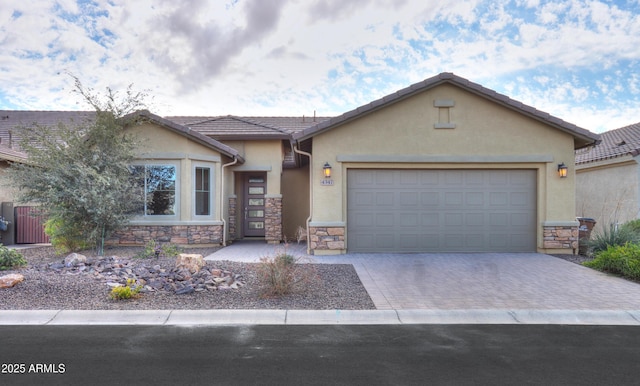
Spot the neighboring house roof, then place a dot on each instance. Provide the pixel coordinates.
(10, 120)
(189, 133)
(614, 143)
(232, 127)
(9, 154)
(582, 137)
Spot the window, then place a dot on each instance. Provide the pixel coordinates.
(203, 191)
(158, 184)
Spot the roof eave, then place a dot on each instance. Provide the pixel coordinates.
(583, 137)
(189, 133)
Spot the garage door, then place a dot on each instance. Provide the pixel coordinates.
(441, 210)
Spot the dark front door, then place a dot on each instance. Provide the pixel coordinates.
(255, 187)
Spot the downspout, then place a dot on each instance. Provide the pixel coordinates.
(295, 149)
(221, 207)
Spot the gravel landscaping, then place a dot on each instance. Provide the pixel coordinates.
(48, 286)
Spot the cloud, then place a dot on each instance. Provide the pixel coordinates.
(196, 50)
(285, 57)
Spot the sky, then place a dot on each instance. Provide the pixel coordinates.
(578, 60)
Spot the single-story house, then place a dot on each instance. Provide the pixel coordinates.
(444, 165)
(608, 178)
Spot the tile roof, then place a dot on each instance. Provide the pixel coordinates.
(11, 120)
(194, 135)
(582, 136)
(615, 143)
(235, 127)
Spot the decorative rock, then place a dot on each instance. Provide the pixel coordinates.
(185, 290)
(192, 262)
(113, 271)
(8, 281)
(74, 259)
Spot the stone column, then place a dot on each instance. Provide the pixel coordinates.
(560, 237)
(233, 201)
(273, 219)
(326, 239)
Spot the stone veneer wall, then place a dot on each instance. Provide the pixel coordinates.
(560, 237)
(326, 238)
(273, 220)
(233, 202)
(176, 234)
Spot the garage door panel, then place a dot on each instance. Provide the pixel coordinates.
(454, 198)
(384, 220)
(429, 198)
(385, 198)
(499, 199)
(441, 210)
(474, 199)
(409, 220)
(409, 199)
(430, 220)
(474, 219)
(384, 177)
(521, 199)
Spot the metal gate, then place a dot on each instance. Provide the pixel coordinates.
(29, 226)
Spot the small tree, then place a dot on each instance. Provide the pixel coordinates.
(80, 175)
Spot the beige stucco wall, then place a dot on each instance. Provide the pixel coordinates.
(260, 156)
(295, 201)
(607, 191)
(160, 144)
(5, 192)
(486, 135)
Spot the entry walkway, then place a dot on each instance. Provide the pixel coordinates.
(486, 281)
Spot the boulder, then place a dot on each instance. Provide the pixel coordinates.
(74, 259)
(8, 281)
(192, 262)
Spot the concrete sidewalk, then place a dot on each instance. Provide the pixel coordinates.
(319, 317)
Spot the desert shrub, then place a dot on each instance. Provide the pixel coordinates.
(155, 249)
(619, 259)
(633, 225)
(10, 258)
(129, 291)
(65, 237)
(611, 237)
(283, 274)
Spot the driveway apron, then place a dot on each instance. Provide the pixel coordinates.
(468, 281)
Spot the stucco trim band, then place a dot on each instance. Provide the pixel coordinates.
(444, 158)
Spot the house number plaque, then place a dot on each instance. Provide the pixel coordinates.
(326, 182)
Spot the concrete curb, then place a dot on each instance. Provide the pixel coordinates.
(317, 317)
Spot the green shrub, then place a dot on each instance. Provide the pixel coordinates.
(611, 237)
(10, 258)
(128, 291)
(65, 237)
(154, 249)
(619, 259)
(633, 225)
(282, 274)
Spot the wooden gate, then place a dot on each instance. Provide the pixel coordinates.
(29, 226)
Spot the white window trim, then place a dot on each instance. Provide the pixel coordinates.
(157, 218)
(212, 188)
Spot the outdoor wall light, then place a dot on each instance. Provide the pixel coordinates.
(562, 170)
(326, 170)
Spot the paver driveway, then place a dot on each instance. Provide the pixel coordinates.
(471, 281)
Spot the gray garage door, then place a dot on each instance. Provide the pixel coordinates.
(441, 210)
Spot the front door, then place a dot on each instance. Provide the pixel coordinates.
(254, 190)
